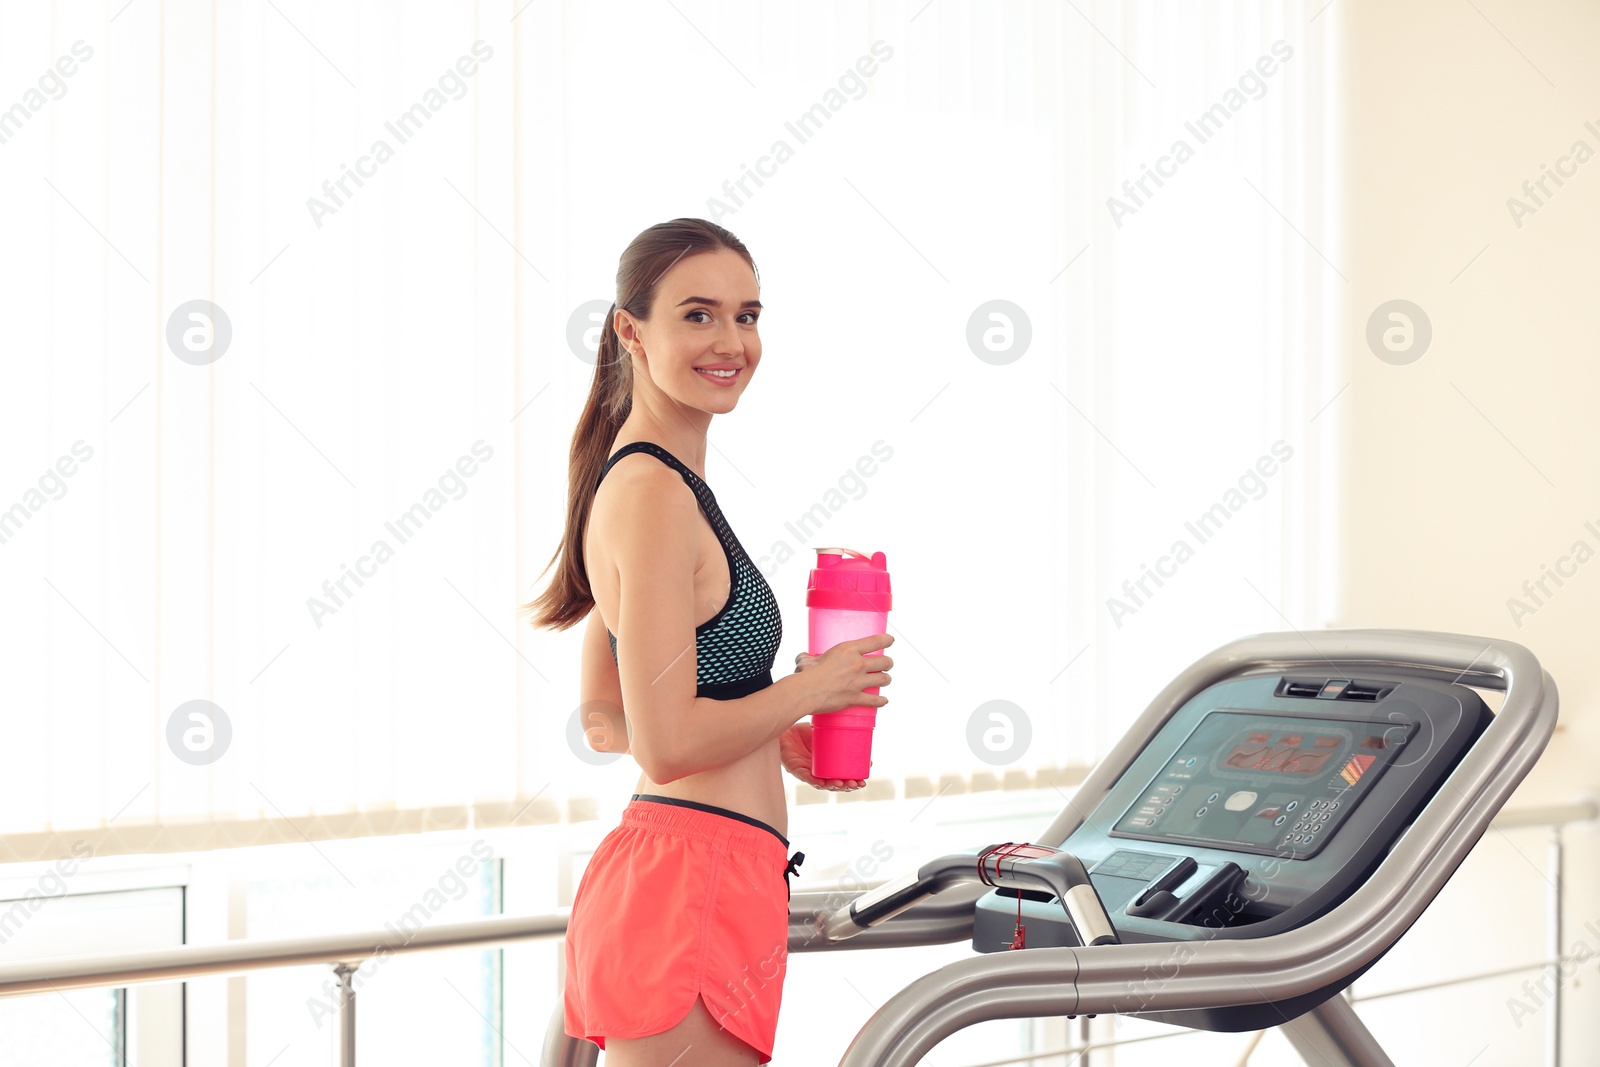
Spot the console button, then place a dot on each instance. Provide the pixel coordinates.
(1238, 801)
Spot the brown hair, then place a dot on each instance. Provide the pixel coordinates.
(648, 257)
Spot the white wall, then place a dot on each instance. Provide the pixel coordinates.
(1469, 470)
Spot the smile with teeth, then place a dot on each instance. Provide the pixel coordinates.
(723, 375)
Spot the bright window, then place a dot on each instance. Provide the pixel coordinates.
(262, 575)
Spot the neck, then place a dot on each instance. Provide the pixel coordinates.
(683, 433)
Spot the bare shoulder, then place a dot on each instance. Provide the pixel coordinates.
(643, 509)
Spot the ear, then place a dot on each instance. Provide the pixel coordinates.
(627, 329)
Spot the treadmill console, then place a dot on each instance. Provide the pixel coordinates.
(1264, 783)
(1260, 804)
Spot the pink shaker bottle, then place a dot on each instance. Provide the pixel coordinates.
(847, 598)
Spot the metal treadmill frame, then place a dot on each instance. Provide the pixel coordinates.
(1117, 979)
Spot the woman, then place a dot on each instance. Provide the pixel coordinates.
(678, 936)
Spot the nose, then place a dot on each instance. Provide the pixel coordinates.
(728, 341)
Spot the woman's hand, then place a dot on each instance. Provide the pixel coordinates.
(845, 671)
(794, 747)
(849, 667)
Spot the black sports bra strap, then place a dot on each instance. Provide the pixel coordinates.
(655, 450)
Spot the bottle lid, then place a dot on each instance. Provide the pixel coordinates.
(846, 579)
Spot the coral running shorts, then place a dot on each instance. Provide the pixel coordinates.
(680, 900)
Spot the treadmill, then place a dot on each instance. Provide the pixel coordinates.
(1266, 830)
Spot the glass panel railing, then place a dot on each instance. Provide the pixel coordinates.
(402, 888)
(77, 1028)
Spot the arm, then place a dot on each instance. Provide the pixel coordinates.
(605, 724)
(673, 732)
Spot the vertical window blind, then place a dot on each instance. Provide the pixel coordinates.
(302, 304)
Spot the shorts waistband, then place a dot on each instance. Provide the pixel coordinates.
(706, 820)
(720, 826)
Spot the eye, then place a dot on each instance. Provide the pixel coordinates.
(752, 316)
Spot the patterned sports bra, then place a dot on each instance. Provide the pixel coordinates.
(736, 647)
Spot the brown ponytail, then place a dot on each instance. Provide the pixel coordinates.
(648, 257)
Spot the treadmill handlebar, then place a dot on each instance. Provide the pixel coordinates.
(1058, 873)
(1275, 967)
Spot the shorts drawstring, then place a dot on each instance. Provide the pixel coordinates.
(793, 868)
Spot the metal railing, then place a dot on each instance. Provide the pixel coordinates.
(345, 952)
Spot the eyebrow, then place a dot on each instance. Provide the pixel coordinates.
(715, 303)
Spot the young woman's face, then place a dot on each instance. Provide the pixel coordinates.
(703, 319)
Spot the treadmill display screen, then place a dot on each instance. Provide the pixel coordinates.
(1265, 783)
